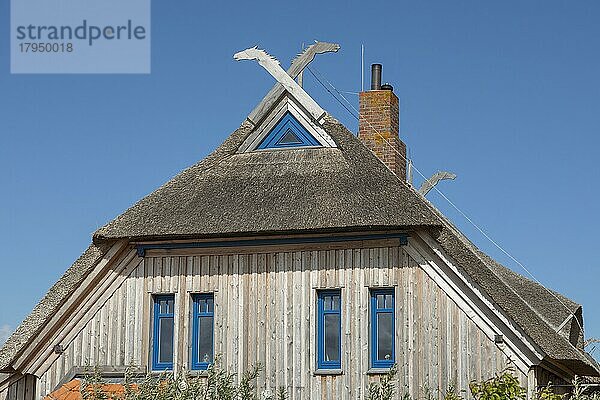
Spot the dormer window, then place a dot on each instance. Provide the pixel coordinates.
(286, 126)
(288, 132)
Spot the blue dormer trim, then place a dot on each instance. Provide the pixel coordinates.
(288, 132)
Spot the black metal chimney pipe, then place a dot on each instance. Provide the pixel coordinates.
(375, 76)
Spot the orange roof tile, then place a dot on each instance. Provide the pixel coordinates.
(72, 391)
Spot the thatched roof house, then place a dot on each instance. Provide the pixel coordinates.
(267, 234)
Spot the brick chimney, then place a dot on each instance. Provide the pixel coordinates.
(379, 122)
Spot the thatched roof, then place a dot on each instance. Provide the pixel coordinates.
(534, 315)
(312, 190)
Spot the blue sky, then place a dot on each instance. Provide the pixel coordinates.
(504, 94)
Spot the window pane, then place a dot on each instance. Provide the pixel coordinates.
(384, 336)
(171, 306)
(205, 339)
(327, 303)
(201, 305)
(388, 301)
(289, 138)
(332, 337)
(211, 305)
(165, 340)
(380, 301)
(163, 306)
(336, 303)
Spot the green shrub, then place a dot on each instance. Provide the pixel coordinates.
(220, 384)
(217, 384)
(452, 393)
(385, 388)
(578, 392)
(247, 388)
(92, 387)
(504, 386)
(546, 393)
(282, 393)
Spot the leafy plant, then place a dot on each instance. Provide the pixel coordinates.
(220, 384)
(92, 387)
(546, 393)
(504, 386)
(578, 392)
(247, 388)
(216, 384)
(282, 393)
(452, 393)
(385, 388)
(428, 394)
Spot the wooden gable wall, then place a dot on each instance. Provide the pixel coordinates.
(265, 310)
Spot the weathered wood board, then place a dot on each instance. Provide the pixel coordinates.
(265, 305)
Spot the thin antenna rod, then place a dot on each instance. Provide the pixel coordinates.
(362, 67)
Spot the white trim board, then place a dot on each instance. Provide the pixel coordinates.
(286, 104)
(74, 300)
(63, 332)
(490, 319)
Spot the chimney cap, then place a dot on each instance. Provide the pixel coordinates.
(376, 76)
(387, 86)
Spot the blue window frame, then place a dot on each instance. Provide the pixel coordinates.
(163, 332)
(203, 331)
(329, 329)
(382, 328)
(288, 132)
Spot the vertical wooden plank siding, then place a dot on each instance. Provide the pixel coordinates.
(265, 306)
(25, 388)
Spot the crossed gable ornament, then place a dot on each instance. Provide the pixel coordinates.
(286, 82)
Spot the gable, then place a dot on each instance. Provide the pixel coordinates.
(116, 329)
(107, 317)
